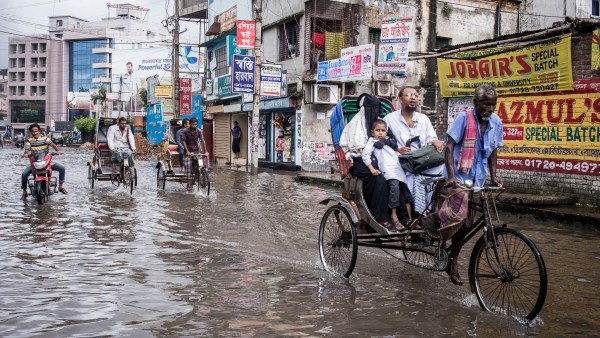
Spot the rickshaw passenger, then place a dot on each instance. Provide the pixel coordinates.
(471, 151)
(386, 161)
(406, 124)
(120, 140)
(185, 123)
(191, 138)
(353, 140)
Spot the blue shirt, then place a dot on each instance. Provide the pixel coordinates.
(492, 139)
(178, 139)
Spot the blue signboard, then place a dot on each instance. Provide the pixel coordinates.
(243, 74)
(154, 124)
(196, 110)
(232, 49)
(333, 69)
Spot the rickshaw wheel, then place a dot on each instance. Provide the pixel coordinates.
(514, 282)
(128, 179)
(91, 177)
(161, 178)
(203, 182)
(337, 241)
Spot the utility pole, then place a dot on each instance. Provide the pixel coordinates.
(256, 101)
(175, 63)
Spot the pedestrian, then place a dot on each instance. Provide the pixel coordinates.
(236, 134)
(280, 146)
(470, 153)
(185, 123)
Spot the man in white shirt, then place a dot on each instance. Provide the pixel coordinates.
(120, 141)
(407, 123)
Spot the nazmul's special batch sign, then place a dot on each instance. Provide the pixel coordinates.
(530, 69)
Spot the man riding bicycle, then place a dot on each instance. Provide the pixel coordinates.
(120, 141)
(191, 138)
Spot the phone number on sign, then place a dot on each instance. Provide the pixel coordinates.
(551, 165)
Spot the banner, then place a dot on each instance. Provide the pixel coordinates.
(243, 74)
(457, 105)
(185, 98)
(393, 46)
(596, 49)
(544, 67)
(164, 92)
(355, 63)
(246, 34)
(270, 80)
(551, 133)
(154, 127)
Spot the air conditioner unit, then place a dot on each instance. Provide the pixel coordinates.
(43, 80)
(34, 66)
(385, 88)
(324, 94)
(35, 52)
(34, 94)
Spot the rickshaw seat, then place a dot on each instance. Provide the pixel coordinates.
(173, 149)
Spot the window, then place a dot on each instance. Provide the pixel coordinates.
(13, 76)
(34, 77)
(34, 48)
(441, 42)
(59, 23)
(13, 63)
(22, 48)
(13, 90)
(42, 62)
(374, 36)
(596, 7)
(43, 47)
(21, 76)
(33, 90)
(42, 90)
(329, 38)
(21, 90)
(289, 46)
(22, 63)
(34, 62)
(13, 49)
(221, 57)
(2, 89)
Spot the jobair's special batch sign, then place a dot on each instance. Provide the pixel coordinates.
(543, 67)
(551, 133)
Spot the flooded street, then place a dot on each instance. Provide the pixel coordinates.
(242, 262)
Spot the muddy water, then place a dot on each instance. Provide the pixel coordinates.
(242, 262)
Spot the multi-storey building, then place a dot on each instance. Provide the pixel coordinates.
(3, 90)
(75, 56)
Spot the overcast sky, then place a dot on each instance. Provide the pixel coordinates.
(28, 17)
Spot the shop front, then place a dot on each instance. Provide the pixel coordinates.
(276, 133)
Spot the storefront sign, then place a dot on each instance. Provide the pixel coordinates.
(393, 46)
(197, 106)
(281, 103)
(185, 98)
(270, 80)
(154, 127)
(544, 67)
(224, 86)
(551, 133)
(165, 92)
(596, 49)
(227, 19)
(243, 74)
(246, 34)
(355, 64)
(232, 49)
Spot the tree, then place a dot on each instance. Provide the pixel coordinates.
(101, 96)
(87, 126)
(144, 97)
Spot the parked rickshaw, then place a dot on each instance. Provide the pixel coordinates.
(506, 269)
(169, 167)
(102, 168)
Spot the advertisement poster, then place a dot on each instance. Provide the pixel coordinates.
(457, 105)
(538, 68)
(551, 133)
(246, 34)
(393, 46)
(154, 125)
(243, 74)
(361, 62)
(270, 80)
(596, 49)
(185, 98)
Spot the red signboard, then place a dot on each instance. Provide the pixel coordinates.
(246, 33)
(185, 99)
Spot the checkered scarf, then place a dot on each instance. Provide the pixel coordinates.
(467, 153)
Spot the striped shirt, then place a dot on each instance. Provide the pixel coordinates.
(39, 145)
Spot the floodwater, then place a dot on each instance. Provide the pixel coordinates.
(242, 262)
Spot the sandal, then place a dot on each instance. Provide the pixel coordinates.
(63, 191)
(452, 271)
(388, 226)
(24, 196)
(398, 225)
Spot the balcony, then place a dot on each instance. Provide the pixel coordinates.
(98, 65)
(102, 50)
(101, 80)
(193, 9)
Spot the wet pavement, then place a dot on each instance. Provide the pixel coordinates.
(243, 262)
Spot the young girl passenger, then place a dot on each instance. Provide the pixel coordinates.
(383, 149)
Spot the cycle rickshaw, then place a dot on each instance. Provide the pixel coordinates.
(506, 270)
(169, 162)
(102, 167)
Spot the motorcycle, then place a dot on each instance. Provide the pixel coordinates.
(19, 144)
(41, 184)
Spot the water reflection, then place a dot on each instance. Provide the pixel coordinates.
(240, 263)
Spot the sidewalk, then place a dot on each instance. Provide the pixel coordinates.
(554, 207)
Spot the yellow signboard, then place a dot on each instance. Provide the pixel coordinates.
(164, 92)
(553, 133)
(543, 67)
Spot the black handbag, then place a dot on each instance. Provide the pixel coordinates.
(421, 159)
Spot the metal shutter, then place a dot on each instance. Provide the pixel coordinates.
(222, 136)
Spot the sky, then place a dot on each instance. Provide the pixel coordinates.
(29, 17)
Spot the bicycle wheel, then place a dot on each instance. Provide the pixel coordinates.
(515, 282)
(337, 241)
(91, 177)
(128, 179)
(161, 177)
(203, 182)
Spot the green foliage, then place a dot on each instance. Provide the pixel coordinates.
(86, 124)
(144, 97)
(101, 96)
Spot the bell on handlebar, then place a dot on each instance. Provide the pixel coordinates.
(469, 184)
